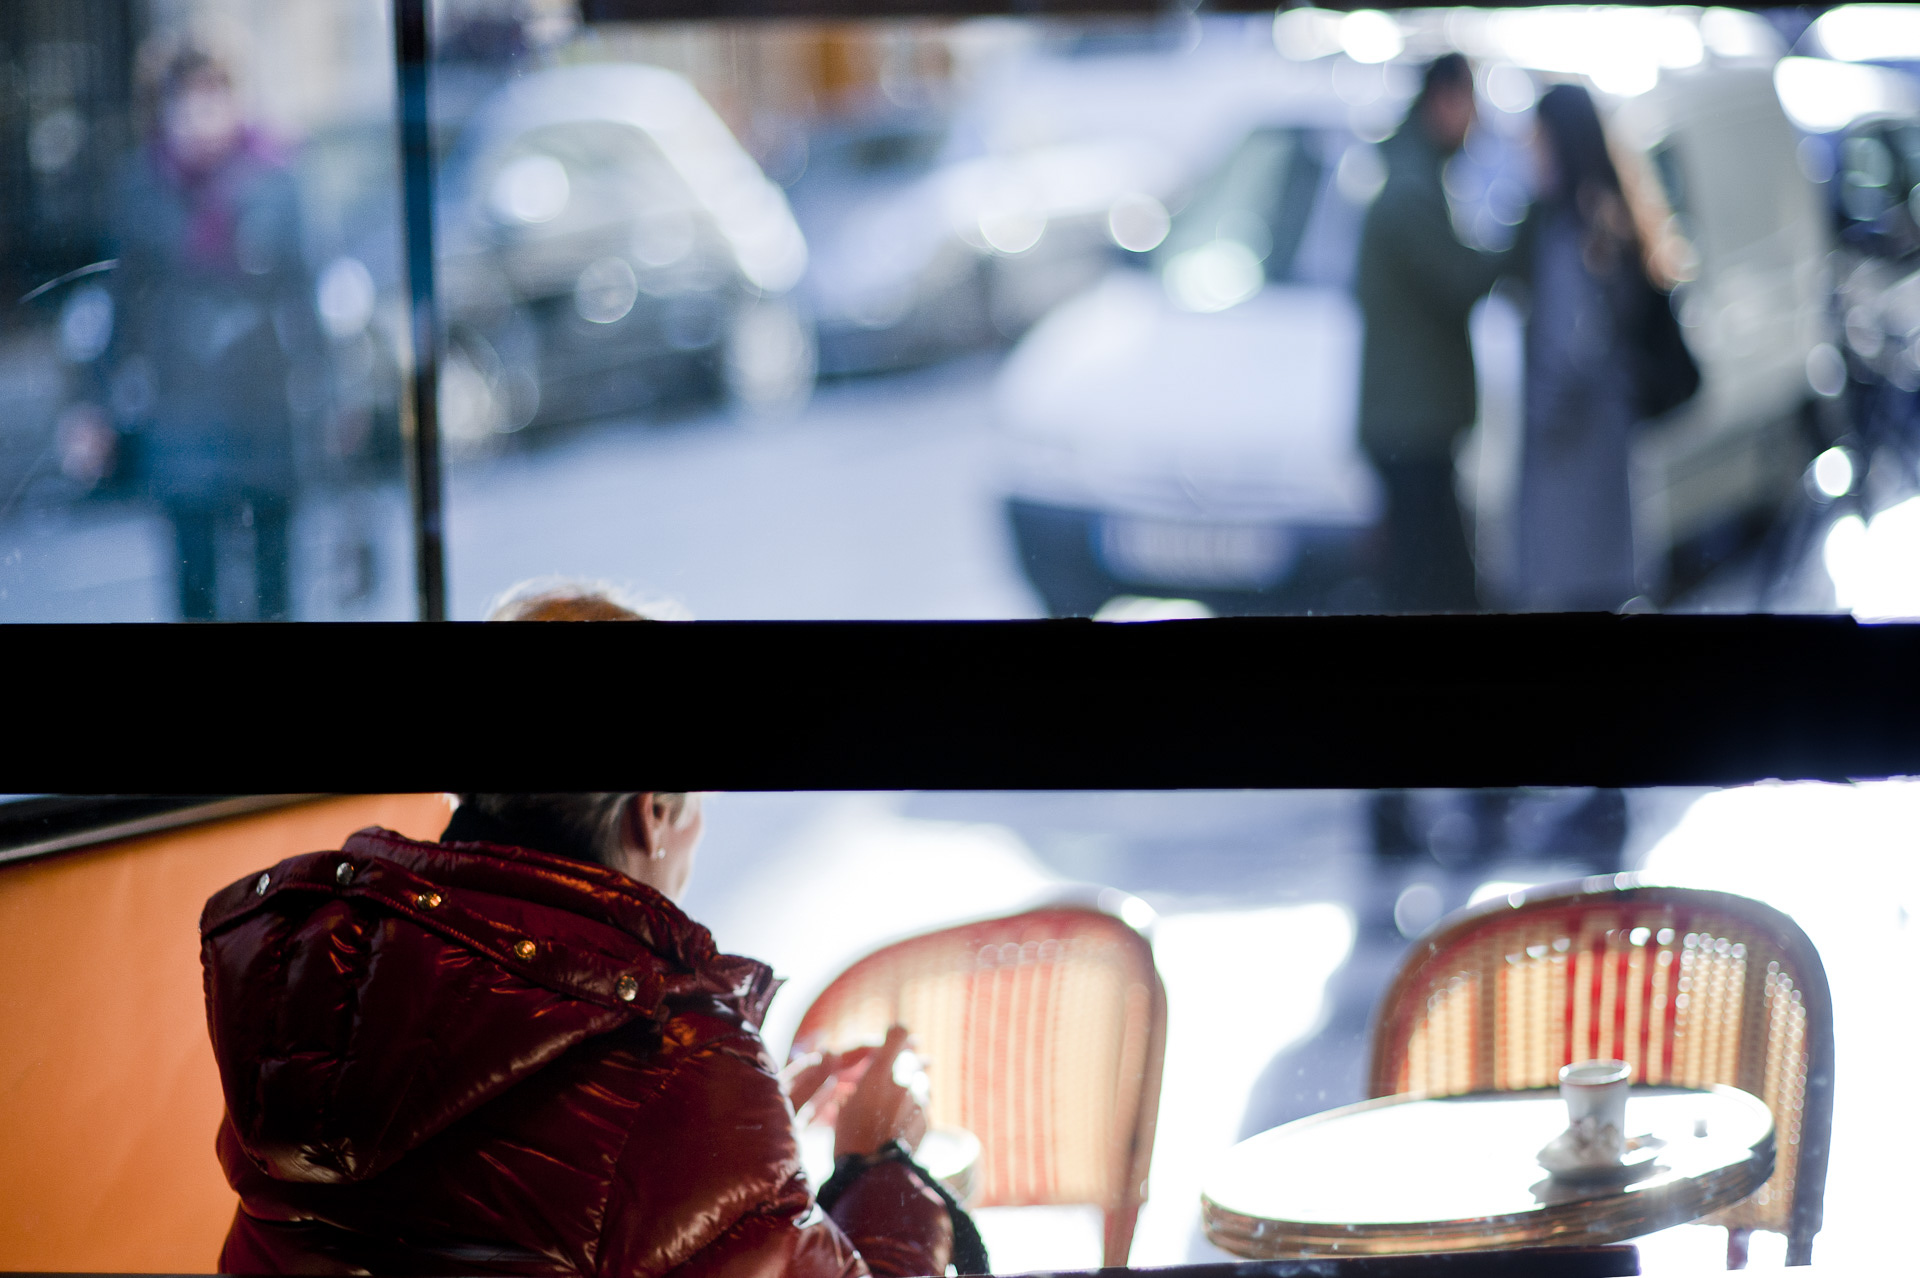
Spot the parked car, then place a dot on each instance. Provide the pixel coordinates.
(935, 235)
(1188, 430)
(1186, 427)
(887, 285)
(607, 246)
(963, 254)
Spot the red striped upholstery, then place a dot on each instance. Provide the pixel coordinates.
(1689, 987)
(1044, 1034)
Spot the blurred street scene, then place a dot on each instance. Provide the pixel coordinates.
(967, 318)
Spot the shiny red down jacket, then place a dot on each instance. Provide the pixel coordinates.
(471, 1059)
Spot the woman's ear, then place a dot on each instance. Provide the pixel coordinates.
(647, 822)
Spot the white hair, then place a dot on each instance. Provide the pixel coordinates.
(524, 599)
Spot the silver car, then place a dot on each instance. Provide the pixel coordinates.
(608, 246)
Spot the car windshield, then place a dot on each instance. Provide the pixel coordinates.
(1261, 199)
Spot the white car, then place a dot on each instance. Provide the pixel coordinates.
(1189, 429)
(1046, 153)
(608, 246)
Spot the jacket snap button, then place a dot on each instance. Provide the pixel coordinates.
(427, 900)
(523, 950)
(627, 988)
(343, 873)
(261, 884)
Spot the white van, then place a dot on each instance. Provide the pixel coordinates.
(1754, 314)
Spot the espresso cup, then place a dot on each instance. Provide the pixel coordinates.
(1596, 1096)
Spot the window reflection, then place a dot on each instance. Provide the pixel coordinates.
(1278, 921)
(1076, 326)
(956, 318)
(1294, 888)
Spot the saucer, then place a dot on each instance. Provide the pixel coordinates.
(1640, 1155)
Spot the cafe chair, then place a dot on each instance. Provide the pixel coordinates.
(1690, 988)
(1044, 1032)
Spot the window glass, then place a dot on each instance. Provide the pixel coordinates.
(966, 318)
(198, 349)
(1279, 918)
(1542, 927)
(1017, 317)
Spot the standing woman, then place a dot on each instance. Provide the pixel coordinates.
(1601, 345)
(217, 353)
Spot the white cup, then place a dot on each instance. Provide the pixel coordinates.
(1596, 1096)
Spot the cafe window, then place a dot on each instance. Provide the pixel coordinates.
(939, 317)
(1279, 920)
(1299, 952)
(928, 316)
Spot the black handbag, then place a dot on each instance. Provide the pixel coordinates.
(1665, 374)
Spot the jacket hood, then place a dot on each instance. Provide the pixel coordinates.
(360, 1001)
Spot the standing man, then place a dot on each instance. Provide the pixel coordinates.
(1417, 284)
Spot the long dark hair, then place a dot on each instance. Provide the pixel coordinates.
(1578, 142)
(1585, 183)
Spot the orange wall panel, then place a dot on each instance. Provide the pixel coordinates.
(108, 1094)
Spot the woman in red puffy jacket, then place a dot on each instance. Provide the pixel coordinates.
(509, 1052)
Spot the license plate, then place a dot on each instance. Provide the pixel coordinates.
(1172, 553)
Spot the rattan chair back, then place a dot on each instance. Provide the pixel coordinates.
(1689, 987)
(1045, 1033)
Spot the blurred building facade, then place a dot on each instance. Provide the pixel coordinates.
(767, 79)
(69, 108)
(68, 71)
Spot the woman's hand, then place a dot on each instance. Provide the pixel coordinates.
(807, 1080)
(879, 1110)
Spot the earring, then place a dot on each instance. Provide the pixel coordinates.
(657, 854)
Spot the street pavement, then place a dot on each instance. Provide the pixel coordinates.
(878, 501)
(881, 499)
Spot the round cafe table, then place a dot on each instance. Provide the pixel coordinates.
(1401, 1174)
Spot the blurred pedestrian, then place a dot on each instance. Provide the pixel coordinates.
(1417, 284)
(216, 344)
(1603, 352)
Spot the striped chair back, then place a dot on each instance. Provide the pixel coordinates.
(1689, 987)
(1044, 1033)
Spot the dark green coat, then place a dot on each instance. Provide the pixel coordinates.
(1417, 283)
